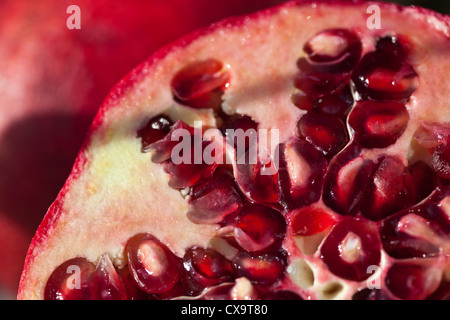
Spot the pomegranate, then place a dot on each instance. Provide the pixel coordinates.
(319, 195)
(56, 78)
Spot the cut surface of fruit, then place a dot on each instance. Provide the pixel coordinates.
(315, 198)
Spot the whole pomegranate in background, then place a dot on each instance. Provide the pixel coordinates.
(356, 208)
(52, 82)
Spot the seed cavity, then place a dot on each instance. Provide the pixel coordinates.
(331, 290)
(301, 273)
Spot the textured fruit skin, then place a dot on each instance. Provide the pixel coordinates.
(56, 211)
(57, 78)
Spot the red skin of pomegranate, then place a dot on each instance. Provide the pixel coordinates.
(57, 78)
(56, 212)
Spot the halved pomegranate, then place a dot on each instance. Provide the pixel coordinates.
(321, 200)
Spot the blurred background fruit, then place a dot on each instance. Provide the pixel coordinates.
(52, 81)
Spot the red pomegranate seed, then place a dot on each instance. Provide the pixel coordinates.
(201, 84)
(337, 104)
(72, 280)
(431, 136)
(106, 282)
(263, 269)
(259, 228)
(413, 281)
(389, 189)
(132, 290)
(176, 291)
(352, 246)
(301, 172)
(424, 180)
(215, 199)
(311, 220)
(302, 101)
(189, 174)
(184, 155)
(257, 176)
(162, 148)
(383, 77)
(240, 131)
(440, 160)
(378, 124)
(401, 240)
(204, 268)
(333, 50)
(326, 132)
(153, 266)
(346, 180)
(394, 46)
(331, 55)
(155, 129)
(400, 245)
(317, 85)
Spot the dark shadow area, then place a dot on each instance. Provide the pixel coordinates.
(36, 156)
(439, 6)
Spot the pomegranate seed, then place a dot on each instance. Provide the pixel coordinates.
(337, 104)
(317, 85)
(383, 77)
(215, 199)
(185, 161)
(440, 160)
(400, 245)
(155, 129)
(257, 176)
(378, 124)
(153, 266)
(301, 172)
(258, 228)
(394, 46)
(203, 268)
(163, 148)
(308, 221)
(331, 54)
(106, 282)
(302, 101)
(333, 50)
(430, 136)
(201, 84)
(435, 208)
(326, 132)
(435, 139)
(411, 281)
(188, 174)
(263, 269)
(72, 280)
(424, 180)
(426, 236)
(132, 290)
(346, 180)
(240, 129)
(389, 189)
(351, 248)
(176, 291)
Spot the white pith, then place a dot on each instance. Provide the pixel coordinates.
(120, 192)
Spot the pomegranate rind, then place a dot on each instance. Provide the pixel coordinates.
(104, 194)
